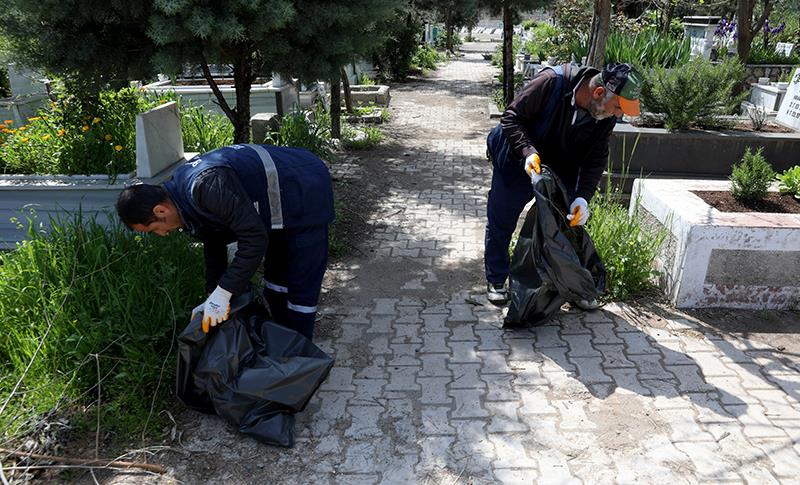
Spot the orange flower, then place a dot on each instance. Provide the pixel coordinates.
(2, 126)
(23, 128)
(107, 137)
(85, 128)
(9, 122)
(118, 147)
(60, 133)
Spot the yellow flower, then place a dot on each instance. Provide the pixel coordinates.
(9, 122)
(95, 120)
(45, 137)
(35, 118)
(85, 128)
(25, 140)
(118, 147)
(60, 132)
(23, 128)
(107, 137)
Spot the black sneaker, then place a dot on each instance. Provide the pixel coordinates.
(497, 294)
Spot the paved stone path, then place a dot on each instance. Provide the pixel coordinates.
(428, 388)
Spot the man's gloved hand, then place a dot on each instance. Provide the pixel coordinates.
(533, 167)
(216, 308)
(578, 212)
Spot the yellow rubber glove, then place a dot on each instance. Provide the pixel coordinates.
(533, 167)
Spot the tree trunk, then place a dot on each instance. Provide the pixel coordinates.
(747, 30)
(242, 80)
(448, 28)
(669, 10)
(508, 55)
(597, 39)
(348, 95)
(336, 107)
(232, 114)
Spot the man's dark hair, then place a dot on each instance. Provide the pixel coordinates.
(135, 204)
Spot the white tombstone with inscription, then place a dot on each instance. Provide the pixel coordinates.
(789, 112)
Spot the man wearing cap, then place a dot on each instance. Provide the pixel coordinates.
(563, 119)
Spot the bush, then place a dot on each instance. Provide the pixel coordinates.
(402, 37)
(497, 56)
(750, 179)
(302, 129)
(361, 138)
(697, 94)
(85, 296)
(73, 136)
(441, 40)
(647, 49)
(625, 243)
(425, 58)
(547, 41)
(789, 181)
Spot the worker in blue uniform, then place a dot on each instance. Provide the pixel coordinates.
(274, 202)
(563, 118)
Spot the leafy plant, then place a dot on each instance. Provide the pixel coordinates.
(302, 129)
(365, 80)
(697, 94)
(767, 55)
(789, 181)
(758, 116)
(751, 177)
(647, 49)
(361, 138)
(499, 100)
(625, 242)
(86, 306)
(425, 58)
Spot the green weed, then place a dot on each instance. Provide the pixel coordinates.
(85, 306)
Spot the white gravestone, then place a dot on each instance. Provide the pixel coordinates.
(159, 142)
(789, 112)
(784, 48)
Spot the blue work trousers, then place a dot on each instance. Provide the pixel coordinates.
(295, 264)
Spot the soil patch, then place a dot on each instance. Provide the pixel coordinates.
(773, 203)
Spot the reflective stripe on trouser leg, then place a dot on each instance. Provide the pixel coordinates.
(503, 208)
(297, 260)
(274, 287)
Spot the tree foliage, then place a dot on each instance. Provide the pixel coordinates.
(117, 41)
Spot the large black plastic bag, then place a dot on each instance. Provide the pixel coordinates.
(552, 263)
(252, 372)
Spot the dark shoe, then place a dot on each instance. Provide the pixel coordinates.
(587, 305)
(497, 294)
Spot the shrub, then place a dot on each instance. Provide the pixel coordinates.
(497, 56)
(789, 181)
(548, 41)
(425, 58)
(86, 304)
(698, 93)
(626, 245)
(302, 129)
(361, 138)
(365, 80)
(750, 179)
(73, 136)
(441, 40)
(401, 40)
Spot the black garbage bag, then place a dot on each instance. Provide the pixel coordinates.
(250, 371)
(552, 262)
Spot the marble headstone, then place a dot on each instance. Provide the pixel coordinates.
(789, 112)
(159, 141)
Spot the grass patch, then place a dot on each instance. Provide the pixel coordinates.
(85, 304)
